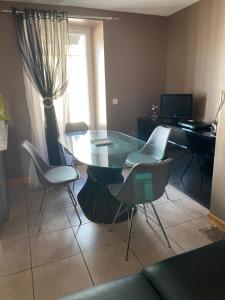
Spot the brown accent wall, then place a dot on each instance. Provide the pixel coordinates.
(134, 72)
(196, 55)
(196, 62)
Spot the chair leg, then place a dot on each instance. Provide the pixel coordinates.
(74, 202)
(130, 229)
(160, 223)
(70, 191)
(146, 216)
(43, 206)
(167, 196)
(43, 198)
(116, 216)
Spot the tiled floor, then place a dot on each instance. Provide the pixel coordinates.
(65, 257)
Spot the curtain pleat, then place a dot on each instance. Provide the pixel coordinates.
(43, 42)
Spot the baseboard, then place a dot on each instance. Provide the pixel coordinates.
(216, 221)
(15, 181)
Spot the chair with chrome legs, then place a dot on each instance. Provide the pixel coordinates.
(50, 176)
(144, 184)
(153, 150)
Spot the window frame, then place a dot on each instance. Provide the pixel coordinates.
(90, 69)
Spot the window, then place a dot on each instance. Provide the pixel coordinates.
(80, 73)
(85, 97)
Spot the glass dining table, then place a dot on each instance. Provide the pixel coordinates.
(105, 163)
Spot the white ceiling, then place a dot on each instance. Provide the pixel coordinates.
(151, 7)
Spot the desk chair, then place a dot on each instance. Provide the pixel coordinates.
(144, 184)
(51, 176)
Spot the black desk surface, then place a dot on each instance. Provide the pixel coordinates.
(202, 132)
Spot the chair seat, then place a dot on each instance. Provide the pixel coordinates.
(61, 174)
(136, 158)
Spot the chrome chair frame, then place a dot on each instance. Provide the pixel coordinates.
(155, 147)
(160, 172)
(42, 169)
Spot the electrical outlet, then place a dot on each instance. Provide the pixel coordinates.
(115, 101)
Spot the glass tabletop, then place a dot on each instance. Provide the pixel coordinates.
(86, 149)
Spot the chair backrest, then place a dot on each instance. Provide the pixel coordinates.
(76, 127)
(157, 142)
(145, 183)
(40, 165)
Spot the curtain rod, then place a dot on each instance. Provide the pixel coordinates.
(73, 16)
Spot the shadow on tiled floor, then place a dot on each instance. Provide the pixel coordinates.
(65, 258)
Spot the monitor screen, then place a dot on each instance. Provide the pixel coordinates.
(176, 106)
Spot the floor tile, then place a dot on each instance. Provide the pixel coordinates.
(80, 183)
(140, 227)
(63, 277)
(170, 214)
(153, 247)
(17, 201)
(53, 246)
(53, 220)
(73, 218)
(108, 263)
(33, 200)
(162, 200)
(16, 286)
(14, 256)
(187, 235)
(192, 207)
(92, 236)
(57, 199)
(16, 228)
(174, 193)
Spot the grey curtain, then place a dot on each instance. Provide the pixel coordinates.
(43, 42)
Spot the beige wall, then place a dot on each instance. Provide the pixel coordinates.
(217, 207)
(196, 62)
(196, 55)
(134, 72)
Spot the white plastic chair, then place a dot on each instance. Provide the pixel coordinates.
(51, 176)
(144, 184)
(76, 127)
(154, 149)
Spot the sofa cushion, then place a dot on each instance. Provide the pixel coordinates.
(195, 275)
(134, 287)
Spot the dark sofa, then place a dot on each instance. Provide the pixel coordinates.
(195, 275)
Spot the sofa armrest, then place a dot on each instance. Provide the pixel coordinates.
(195, 275)
(133, 287)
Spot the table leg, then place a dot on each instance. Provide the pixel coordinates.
(95, 199)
